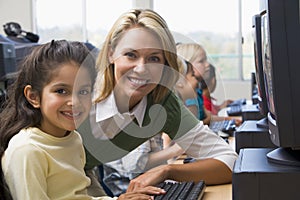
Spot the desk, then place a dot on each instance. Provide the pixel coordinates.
(218, 192)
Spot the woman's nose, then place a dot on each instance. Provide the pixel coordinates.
(140, 66)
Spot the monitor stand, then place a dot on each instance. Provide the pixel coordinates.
(285, 156)
(263, 123)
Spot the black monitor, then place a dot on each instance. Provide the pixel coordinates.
(281, 65)
(7, 59)
(259, 75)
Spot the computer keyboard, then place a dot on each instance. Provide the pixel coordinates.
(225, 126)
(181, 190)
(238, 102)
(234, 110)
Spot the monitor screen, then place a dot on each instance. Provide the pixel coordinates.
(259, 75)
(280, 30)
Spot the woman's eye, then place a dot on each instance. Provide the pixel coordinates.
(154, 59)
(130, 55)
(84, 92)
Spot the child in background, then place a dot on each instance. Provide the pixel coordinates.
(42, 156)
(208, 86)
(196, 55)
(186, 87)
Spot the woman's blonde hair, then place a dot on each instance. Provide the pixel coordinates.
(189, 51)
(137, 18)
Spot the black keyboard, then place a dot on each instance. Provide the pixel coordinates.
(225, 126)
(234, 110)
(238, 102)
(182, 190)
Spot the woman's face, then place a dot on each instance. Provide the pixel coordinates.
(138, 61)
(200, 65)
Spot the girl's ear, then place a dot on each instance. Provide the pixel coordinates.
(32, 96)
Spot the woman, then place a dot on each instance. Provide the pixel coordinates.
(135, 101)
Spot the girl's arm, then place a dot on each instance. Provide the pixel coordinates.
(24, 171)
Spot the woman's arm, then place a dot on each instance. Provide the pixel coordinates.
(215, 161)
(212, 171)
(157, 158)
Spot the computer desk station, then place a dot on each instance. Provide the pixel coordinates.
(274, 172)
(268, 141)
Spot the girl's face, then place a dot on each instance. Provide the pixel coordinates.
(65, 101)
(138, 61)
(200, 64)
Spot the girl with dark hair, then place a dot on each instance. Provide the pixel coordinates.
(42, 156)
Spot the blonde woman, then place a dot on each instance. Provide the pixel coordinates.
(138, 70)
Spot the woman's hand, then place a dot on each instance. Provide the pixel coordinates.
(152, 177)
(142, 193)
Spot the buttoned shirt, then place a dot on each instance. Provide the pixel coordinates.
(195, 138)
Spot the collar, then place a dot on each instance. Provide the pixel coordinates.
(107, 109)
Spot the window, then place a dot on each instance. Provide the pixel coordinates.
(83, 20)
(215, 25)
(101, 16)
(59, 19)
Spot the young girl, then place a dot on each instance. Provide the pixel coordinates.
(208, 86)
(196, 55)
(186, 87)
(42, 156)
(135, 100)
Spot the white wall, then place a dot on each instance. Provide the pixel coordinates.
(232, 90)
(16, 11)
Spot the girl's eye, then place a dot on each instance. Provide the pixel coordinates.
(61, 91)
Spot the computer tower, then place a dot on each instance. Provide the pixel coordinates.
(7, 59)
(249, 135)
(255, 178)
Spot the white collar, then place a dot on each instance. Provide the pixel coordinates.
(108, 108)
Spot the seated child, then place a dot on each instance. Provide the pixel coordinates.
(42, 155)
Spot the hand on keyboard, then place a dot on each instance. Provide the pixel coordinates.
(238, 102)
(182, 190)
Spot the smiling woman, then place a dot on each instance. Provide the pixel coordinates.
(137, 71)
(138, 66)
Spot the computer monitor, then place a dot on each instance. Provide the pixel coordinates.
(281, 65)
(7, 59)
(259, 76)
